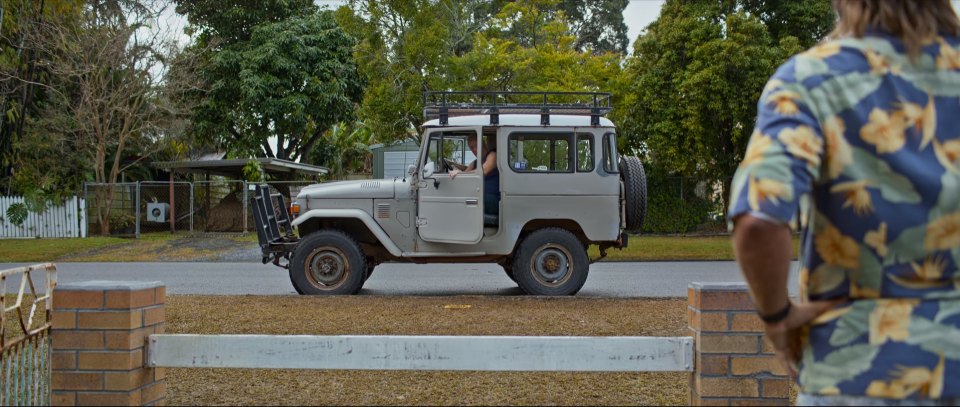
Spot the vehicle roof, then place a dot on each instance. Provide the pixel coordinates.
(556, 120)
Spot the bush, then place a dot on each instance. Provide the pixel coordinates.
(121, 221)
(666, 214)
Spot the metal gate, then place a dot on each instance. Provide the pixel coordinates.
(25, 336)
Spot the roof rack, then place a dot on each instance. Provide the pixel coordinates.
(444, 104)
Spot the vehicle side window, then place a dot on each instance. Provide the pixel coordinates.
(584, 152)
(544, 152)
(611, 161)
(449, 150)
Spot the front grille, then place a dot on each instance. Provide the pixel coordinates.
(370, 185)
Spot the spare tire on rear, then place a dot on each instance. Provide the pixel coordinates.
(635, 192)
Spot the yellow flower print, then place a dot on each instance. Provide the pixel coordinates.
(924, 119)
(823, 51)
(879, 65)
(929, 122)
(839, 154)
(884, 131)
(949, 57)
(803, 143)
(830, 315)
(884, 390)
(948, 154)
(890, 321)
(857, 196)
(830, 391)
(926, 275)
(759, 144)
(877, 239)
(943, 233)
(785, 101)
(837, 249)
(766, 190)
(913, 379)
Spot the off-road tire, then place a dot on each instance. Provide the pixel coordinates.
(635, 192)
(551, 261)
(328, 262)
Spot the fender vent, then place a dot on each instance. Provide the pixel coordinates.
(383, 211)
(370, 185)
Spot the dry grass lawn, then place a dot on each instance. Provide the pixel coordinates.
(376, 315)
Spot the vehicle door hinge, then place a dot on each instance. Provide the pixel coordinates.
(421, 221)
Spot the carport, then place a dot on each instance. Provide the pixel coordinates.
(214, 165)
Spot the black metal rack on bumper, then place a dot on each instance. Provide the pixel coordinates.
(274, 229)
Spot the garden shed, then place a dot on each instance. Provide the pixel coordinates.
(392, 160)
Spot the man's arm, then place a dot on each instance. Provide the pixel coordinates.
(764, 248)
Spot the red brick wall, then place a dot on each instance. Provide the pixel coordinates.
(99, 336)
(734, 365)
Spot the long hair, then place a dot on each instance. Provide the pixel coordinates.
(916, 22)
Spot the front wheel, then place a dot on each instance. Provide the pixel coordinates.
(328, 262)
(551, 262)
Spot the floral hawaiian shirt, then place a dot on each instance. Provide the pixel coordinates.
(864, 144)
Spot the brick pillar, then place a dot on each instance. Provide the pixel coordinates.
(99, 333)
(735, 365)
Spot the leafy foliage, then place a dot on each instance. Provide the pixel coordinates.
(17, 213)
(291, 80)
(695, 77)
(410, 47)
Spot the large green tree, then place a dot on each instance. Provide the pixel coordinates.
(274, 77)
(409, 47)
(22, 78)
(692, 84)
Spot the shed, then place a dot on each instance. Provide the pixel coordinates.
(392, 160)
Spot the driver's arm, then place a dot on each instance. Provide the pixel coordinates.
(490, 163)
(471, 167)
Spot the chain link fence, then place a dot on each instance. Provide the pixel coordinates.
(222, 206)
(217, 206)
(674, 205)
(166, 207)
(111, 209)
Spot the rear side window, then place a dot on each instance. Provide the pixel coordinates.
(584, 152)
(611, 160)
(543, 152)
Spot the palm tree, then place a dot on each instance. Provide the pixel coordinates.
(350, 144)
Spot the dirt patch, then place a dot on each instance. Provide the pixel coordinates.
(472, 315)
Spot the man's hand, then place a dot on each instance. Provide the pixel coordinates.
(787, 335)
(453, 174)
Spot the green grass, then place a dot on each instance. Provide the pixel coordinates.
(40, 250)
(653, 248)
(158, 246)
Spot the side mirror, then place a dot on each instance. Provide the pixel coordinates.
(428, 169)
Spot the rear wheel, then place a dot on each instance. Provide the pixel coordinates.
(328, 262)
(551, 262)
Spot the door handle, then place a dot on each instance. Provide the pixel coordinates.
(472, 202)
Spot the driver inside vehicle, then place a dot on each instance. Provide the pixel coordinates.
(491, 176)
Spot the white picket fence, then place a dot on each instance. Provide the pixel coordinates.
(66, 220)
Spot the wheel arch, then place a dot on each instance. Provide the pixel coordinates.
(355, 222)
(569, 225)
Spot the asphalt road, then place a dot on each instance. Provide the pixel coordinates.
(609, 279)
